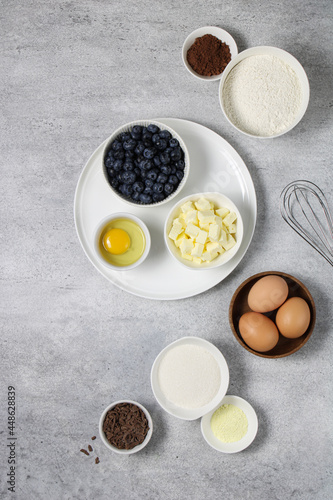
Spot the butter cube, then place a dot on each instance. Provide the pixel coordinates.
(197, 250)
(214, 232)
(187, 207)
(232, 228)
(204, 227)
(209, 256)
(179, 221)
(197, 260)
(179, 239)
(222, 212)
(175, 231)
(206, 216)
(186, 246)
(201, 237)
(213, 247)
(230, 242)
(191, 216)
(192, 230)
(218, 220)
(223, 238)
(229, 219)
(203, 204)
(187, 256)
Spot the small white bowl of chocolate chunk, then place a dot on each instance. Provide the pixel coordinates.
(125, 427)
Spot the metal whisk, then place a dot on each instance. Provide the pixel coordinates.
(304, 207)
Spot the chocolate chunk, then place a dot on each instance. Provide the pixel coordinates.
(90, 448)
(125, 426)
(96, 460)
(93, 438)
(85, 452)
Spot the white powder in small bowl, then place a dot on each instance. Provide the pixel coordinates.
(262, 95)
(189, 376)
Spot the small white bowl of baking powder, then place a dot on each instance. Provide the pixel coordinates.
(189, 378)
(264, 92)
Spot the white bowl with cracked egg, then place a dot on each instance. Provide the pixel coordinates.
(238, 103)
(220, 200)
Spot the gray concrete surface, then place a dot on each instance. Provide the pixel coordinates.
(71, 342)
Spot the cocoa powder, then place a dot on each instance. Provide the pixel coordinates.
(208, 56)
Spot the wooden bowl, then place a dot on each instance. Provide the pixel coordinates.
(239, 306)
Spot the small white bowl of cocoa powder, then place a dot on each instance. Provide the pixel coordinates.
(207, 51)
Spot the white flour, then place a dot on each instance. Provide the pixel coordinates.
(262, 95)
(189, 376)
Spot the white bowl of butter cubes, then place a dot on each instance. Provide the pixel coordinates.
(203, 230)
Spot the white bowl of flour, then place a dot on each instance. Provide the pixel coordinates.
(189, 378)
(264, 92)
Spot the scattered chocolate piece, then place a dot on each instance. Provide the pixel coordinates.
(96, 460)
(125, 426)
(85, 452)
(93, 438)
(90, 447)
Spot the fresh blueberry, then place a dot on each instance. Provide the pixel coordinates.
(109, 162)
(139, 160)
(128, 177)
(158, 197)
(173, 169)
(149, 153)
(180, 174)
(111, 172)
(165, 169)
(162, 178)
(173, 143)
(155, 138)
(138, 187)
(117, 165)
(146, 165)
(157, 161)
(135, 196)
(144, 174)
(136, 132)
(137, 171)
(176, 154)
(125, 136)
(148, 190)
(114, 183)
(110, 154)
(139, 148)
(161, 144)
(173, 179)
(149, 183)
(165, 134)
(116, 145)
(168, 188)
(129, 154)
(128, 165)
(147, 143)
(165, 158)
(158, 188)
(119, 154)
(180, 164)
(146, 134)
(152, 174)
(119, 176)
(127, 189)
(153, 128)
(130, 144)
(145, 198)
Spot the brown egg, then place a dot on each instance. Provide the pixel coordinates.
(268, 294)
(293, 318)
(258, 331)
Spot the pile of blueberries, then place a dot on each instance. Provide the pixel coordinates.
(145, 165)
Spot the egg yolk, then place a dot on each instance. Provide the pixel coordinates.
(116, 241)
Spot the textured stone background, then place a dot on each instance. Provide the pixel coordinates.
(71, 342)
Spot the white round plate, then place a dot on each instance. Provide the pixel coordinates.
(185, 413)
(215, 166)
(243, 443)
